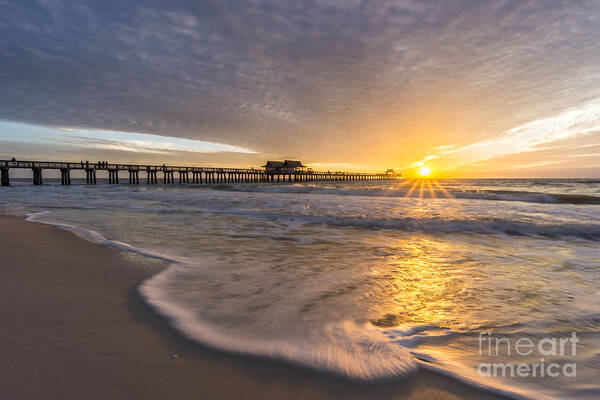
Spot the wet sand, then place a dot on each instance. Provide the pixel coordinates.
(73, 327)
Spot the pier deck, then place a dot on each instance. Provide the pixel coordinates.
(185, 174)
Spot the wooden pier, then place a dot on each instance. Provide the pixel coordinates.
(185, 174)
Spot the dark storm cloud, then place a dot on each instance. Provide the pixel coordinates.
(318, 77)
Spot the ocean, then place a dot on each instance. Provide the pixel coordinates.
(365, 280)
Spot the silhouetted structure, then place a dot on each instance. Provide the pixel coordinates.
(284, 167)
(273, 166)
(274, 171)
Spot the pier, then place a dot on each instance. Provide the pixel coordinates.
(167, 174)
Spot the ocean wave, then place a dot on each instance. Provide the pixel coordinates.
(434, 225)
(358, 359)
(530, 197)
(360, 352)
(439, 225)
(348, 349)
(96, 237)
(497, 195)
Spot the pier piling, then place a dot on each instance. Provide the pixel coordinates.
(37, 176)
(151, 176)
(5, 176)
(113, 176)
(168, 177)
(134, 177)
(90, 176)
(65, 176)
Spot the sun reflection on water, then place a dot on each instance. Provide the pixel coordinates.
(420, 285)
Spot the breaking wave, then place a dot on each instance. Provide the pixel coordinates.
(497, 195)
(440, 225)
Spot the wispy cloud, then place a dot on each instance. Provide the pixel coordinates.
(82, 139)
(143, 143)
(532, 136)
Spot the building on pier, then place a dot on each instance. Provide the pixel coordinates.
(284, 167)
(273, 166)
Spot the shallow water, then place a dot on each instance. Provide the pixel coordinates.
(365, 279)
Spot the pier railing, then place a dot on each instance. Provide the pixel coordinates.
(206, 175)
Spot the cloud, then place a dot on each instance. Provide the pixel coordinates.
(368, 83)
(532, 136)
(143, 143)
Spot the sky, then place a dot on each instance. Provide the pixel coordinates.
(470, 88)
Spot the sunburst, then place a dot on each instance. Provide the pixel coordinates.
(425, 184)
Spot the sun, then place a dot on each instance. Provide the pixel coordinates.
(425, 171)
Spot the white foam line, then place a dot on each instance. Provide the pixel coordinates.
(207, 334)
(96, 237)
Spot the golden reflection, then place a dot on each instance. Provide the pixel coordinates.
(412, 188)
(441, 189)
(431, 190)
(421, 285)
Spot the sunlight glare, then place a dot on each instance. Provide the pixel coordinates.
(425, 171)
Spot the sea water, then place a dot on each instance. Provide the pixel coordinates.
(365, 280)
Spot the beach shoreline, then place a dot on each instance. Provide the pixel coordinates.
(74, 326)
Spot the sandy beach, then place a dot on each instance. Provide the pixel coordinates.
(73, 327)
